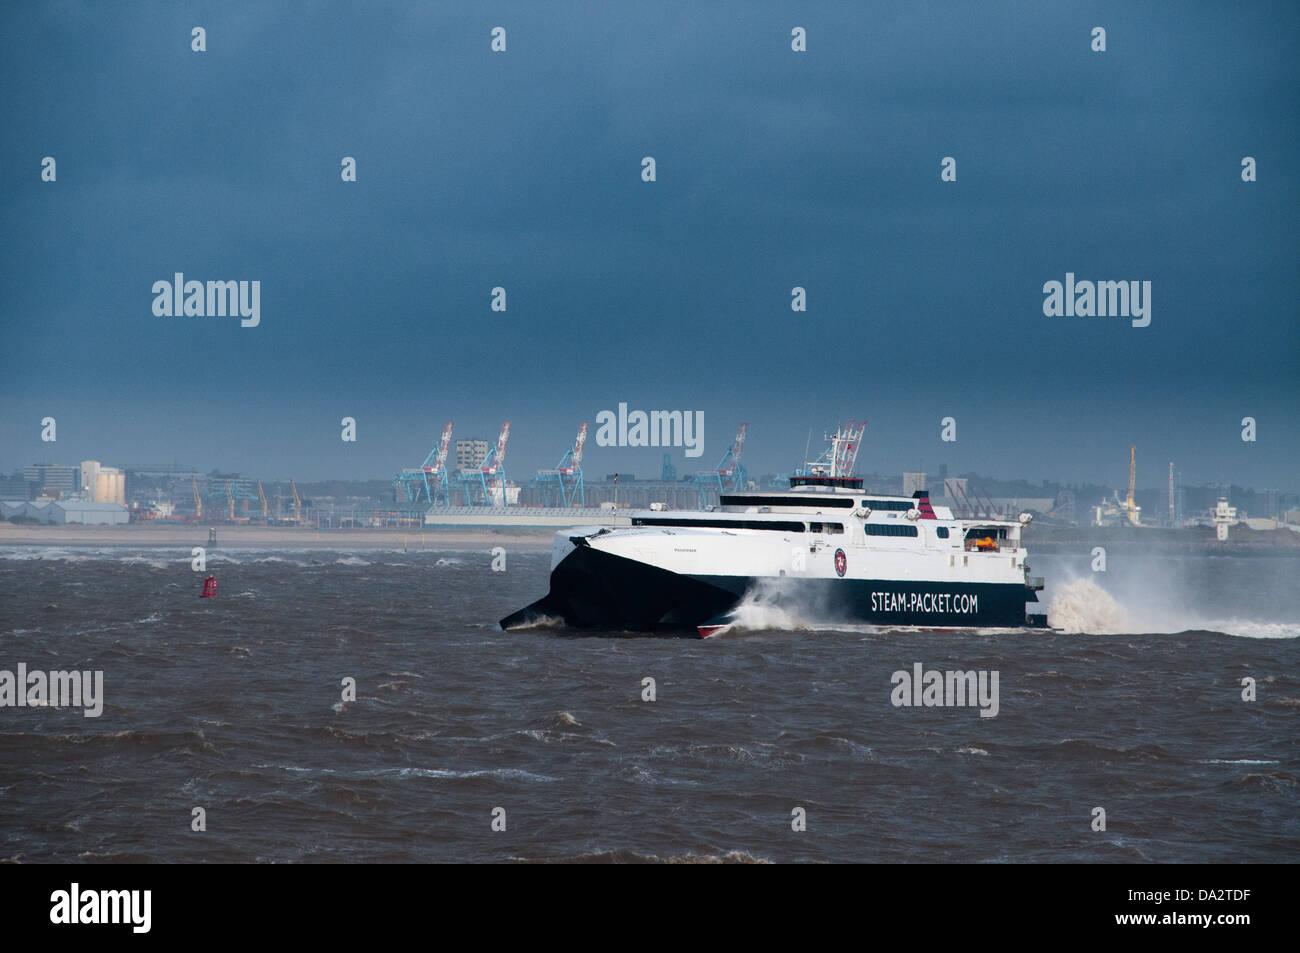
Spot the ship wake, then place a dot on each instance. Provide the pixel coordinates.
(771, 605)
(1082, 607)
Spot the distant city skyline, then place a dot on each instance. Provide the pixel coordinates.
(953, 194)
(646, 463)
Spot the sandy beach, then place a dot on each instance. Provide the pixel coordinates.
(270, 537)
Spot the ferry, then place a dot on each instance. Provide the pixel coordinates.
(824, 545)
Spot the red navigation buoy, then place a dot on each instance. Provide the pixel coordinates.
(209, 588)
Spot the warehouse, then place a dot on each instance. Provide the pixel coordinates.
(61, 511)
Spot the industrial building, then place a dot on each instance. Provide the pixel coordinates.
(90, 480)
(17, 487)
(53, 479)
(103, 484)
(65, 511)
(470, 454)
(73, 511)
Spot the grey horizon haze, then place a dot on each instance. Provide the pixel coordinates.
(775, 169)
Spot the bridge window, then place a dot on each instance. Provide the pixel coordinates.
(885, 529)
(785, 526)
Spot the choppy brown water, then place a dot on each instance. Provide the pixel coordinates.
(233, 705)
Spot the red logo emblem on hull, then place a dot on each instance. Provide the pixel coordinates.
(841, 563)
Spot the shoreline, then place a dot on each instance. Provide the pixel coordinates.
(1047, 540)
(271, 537)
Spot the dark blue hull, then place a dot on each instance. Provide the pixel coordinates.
(593, 589)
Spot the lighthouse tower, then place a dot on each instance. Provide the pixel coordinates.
(1224, 516)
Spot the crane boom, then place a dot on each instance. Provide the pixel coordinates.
(440, 462)
(738, 444)
(579, 443)
(501, 447)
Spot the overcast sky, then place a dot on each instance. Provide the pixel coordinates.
(775, 169)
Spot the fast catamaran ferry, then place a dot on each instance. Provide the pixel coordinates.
(824, 545)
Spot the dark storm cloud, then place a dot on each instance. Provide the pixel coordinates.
(775, 169)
